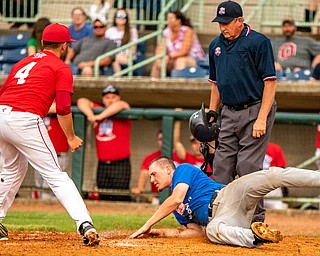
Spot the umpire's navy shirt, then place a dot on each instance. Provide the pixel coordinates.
(240, 67)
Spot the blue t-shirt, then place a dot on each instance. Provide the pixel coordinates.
(194, 208)
(77, 35)
(240, 67)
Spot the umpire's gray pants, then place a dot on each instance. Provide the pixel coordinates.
(239, 153)
(234, 206)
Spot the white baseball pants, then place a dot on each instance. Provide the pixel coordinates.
(235, 204)
(23, 139)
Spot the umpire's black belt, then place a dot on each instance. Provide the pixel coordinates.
(238, 108)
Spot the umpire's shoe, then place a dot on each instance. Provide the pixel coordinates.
(263, 234)
(3, 233)
(90, 235)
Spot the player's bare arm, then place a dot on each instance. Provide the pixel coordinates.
(166, 208)
(85, 105)
(66, 124)
(111, 110)
(260, 125)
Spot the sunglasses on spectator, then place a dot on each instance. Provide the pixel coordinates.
(95, 27)
(121, 15)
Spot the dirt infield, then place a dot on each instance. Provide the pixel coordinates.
(300, 228)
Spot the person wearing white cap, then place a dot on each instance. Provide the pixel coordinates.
(83, 54)
(38, 80)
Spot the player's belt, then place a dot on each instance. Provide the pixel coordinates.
(238, 108)
(210, 206)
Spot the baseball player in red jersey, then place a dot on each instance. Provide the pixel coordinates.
(37, 80)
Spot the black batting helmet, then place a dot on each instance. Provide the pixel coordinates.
(201, 128)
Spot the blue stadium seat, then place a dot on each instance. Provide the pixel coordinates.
(304, 74)
(190, 72)
(6, 68)
(13, 55)
(14, 41)
(141, 55)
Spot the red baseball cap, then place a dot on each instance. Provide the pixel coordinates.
(57, 33)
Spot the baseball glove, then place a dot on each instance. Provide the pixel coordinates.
(3, 232)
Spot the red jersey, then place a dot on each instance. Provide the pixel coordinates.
(274, 157)
(197, 162)
(318, 137)
(56, 134)
(148, 159)
(113, 139)
(33, 81)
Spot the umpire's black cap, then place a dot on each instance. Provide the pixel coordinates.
(227, 11)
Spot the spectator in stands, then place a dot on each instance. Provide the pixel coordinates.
(292, 52)
(84, 53)
(274, 157)
(183, 48)
(143, 177)
(100, 8)
(34, 43)
(193, 157)
(112, 139)
(122, 33)
(79, 28)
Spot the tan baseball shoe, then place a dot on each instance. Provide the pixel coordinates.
(266, 235)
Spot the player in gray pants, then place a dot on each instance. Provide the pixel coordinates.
(233, 208)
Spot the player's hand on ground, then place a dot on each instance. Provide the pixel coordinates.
(75, 143)
(139, 233)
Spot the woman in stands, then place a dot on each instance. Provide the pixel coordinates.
(183, 48)
(122, 33)
(34, 43)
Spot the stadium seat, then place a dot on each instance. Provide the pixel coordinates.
(141, 55)
(13, 55)
(12, 41)
(6, 68)
(304, 74)
(190, 72)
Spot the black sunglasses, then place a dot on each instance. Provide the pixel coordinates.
(95, 27)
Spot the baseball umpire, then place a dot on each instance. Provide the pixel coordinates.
(25, 98)
(242, 75)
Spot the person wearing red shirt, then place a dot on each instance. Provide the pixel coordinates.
(60, 144)
(143, 177)
(25, 99)
(194, 157)
(317, 153)
(112, 139)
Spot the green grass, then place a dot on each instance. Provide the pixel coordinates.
(62, 222)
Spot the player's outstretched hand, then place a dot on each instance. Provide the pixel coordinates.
(75, 143)
(139, 233)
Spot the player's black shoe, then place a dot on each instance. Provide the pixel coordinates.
(90, 235)
(3, 233)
